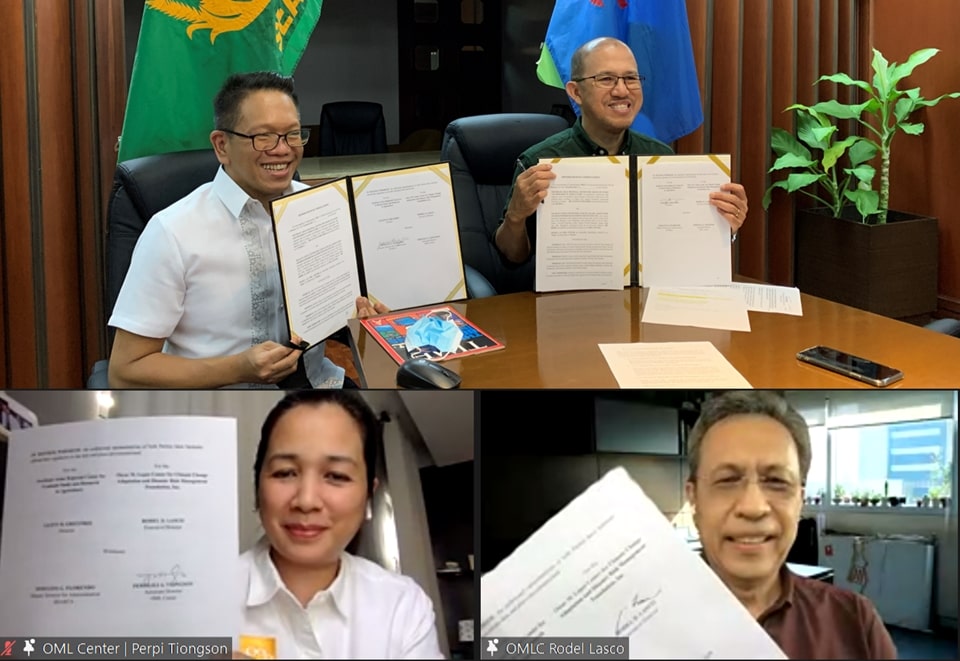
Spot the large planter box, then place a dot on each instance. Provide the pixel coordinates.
(889, 269)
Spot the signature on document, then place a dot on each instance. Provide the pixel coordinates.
(631, 614)
(172, 575)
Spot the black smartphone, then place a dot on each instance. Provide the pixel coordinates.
(849, 365)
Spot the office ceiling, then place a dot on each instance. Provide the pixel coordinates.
(446, 422)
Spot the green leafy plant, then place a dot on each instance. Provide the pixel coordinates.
(838, 491)
(886, 111)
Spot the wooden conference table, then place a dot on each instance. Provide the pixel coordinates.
(551, 342)
(324, 168)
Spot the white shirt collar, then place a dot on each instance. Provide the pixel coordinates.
(265, 582)
(233, 197)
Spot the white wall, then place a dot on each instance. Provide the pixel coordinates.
(55, 406)
(942, 524)
(351, 56)
(403, 473)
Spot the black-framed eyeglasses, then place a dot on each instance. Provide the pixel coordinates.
(609, 81)
(268, 141)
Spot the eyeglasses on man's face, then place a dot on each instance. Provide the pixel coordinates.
(268, 141)
(609, 81)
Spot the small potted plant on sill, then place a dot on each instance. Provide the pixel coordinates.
(838, 494)
(933, 494)
(852, 248)
(875, 499)
(818, 497)
(893, 501)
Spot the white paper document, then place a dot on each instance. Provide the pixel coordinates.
(583, 226)
(723, 308)
(318, 261)
(671, 365)
(609, 564)
(409, 238)
(686, 242)
(124, 527)
(770, 298)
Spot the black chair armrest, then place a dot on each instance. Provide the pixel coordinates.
(477, 285)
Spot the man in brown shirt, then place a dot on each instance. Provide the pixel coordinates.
(749, 455)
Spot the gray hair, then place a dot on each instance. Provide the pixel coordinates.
(749, 402)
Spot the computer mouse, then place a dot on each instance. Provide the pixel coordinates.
(423, 374)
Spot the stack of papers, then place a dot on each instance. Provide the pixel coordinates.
(609, 564)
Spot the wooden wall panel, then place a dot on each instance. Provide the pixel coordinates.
(18, 312)
(783, 92)
(754, 135)
(695, 143)
(88, 168)
(51, 269)
(59, 219)
(924, 168)
(724, 103)
(807, 50)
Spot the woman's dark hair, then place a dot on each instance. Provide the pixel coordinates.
(357, 409)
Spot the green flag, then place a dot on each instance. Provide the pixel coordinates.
(187, 48)
(547, 70)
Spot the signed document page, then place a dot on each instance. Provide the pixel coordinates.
(610, 564)
(409, 238)
(318, 261)
(686, 242)
(123, 527)
(583, 226)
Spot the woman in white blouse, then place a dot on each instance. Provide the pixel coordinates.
(307, 597)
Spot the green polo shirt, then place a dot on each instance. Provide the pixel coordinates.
(571, 142)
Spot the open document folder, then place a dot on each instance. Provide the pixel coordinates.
(124, 527)
(391, 236)
(609, 564)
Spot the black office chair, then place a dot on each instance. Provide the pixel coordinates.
(141, 188)
(482, 152)
(945, 326)
(352, 127)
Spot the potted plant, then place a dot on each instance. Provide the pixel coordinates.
(933, 493)
(852, 248)
(818, 498)
(875, 498)
(838, 494)
(893, 501)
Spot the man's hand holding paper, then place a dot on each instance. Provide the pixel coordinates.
(609, 564)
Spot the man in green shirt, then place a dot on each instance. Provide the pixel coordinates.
(607, 86)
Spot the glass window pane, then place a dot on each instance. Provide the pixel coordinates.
(909, 459)
(817, 476)
(848, 408)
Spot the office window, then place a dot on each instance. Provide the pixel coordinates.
(817, 476)
(909, 459)
(877, 445)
